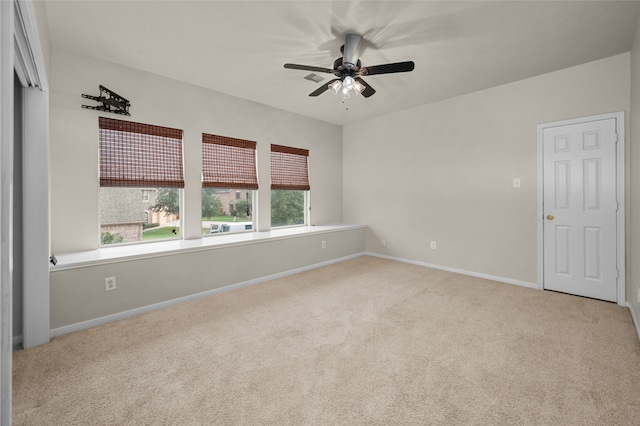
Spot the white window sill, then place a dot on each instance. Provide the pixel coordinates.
(166, 248)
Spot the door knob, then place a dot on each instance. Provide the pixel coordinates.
(550, 217)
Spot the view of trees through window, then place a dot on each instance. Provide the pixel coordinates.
(226, 210)
(138, 214)
(287, 208)
(144, 214)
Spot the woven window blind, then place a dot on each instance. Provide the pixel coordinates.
(140, 155)
(289, 168)
(228, 163)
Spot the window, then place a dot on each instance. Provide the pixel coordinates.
(138, 157)
(289, 185)
(229, 179)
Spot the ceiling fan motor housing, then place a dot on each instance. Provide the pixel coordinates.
(344, 71)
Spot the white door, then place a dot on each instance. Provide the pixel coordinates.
(580, 209)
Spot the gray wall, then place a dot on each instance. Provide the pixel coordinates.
(166, 102)
(443, 172)
(414, 176)
(17, 208)
(78, 294)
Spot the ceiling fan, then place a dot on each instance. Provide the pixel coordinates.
(349, 70)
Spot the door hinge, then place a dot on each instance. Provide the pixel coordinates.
(617, 273)
(617, 205)
(617, 138)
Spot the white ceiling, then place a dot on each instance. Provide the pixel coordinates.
(239, 47)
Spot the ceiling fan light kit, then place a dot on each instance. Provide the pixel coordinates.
(349, 71)
(345, 87)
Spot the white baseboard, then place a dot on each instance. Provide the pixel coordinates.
(457, 271)
(634, 317)
(149, 308)
(133, 312)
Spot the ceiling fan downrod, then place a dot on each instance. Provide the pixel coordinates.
(351, 51)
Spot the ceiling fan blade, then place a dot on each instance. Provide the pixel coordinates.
(351, 50)
(388, 68)
(368, 90)
(320, 90)
(308, 68)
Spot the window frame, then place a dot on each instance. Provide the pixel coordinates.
(306, 216)
(180, 222)
(119, 142)
(238, 172)
(290, 157)
(253, 221)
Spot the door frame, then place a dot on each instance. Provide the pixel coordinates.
(21, 54)
(620, 216)
(30, 69)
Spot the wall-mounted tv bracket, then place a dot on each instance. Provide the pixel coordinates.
(111, 102)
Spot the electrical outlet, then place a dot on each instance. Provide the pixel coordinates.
(433, 245)
(516, 182)
(109, 283)
(324, 244)
(384, 243)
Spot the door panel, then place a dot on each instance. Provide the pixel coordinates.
(563, 184)
(592, 253)
(592, 184)
(580, 209)
(563, 250)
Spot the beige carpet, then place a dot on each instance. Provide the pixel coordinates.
(367, 341)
